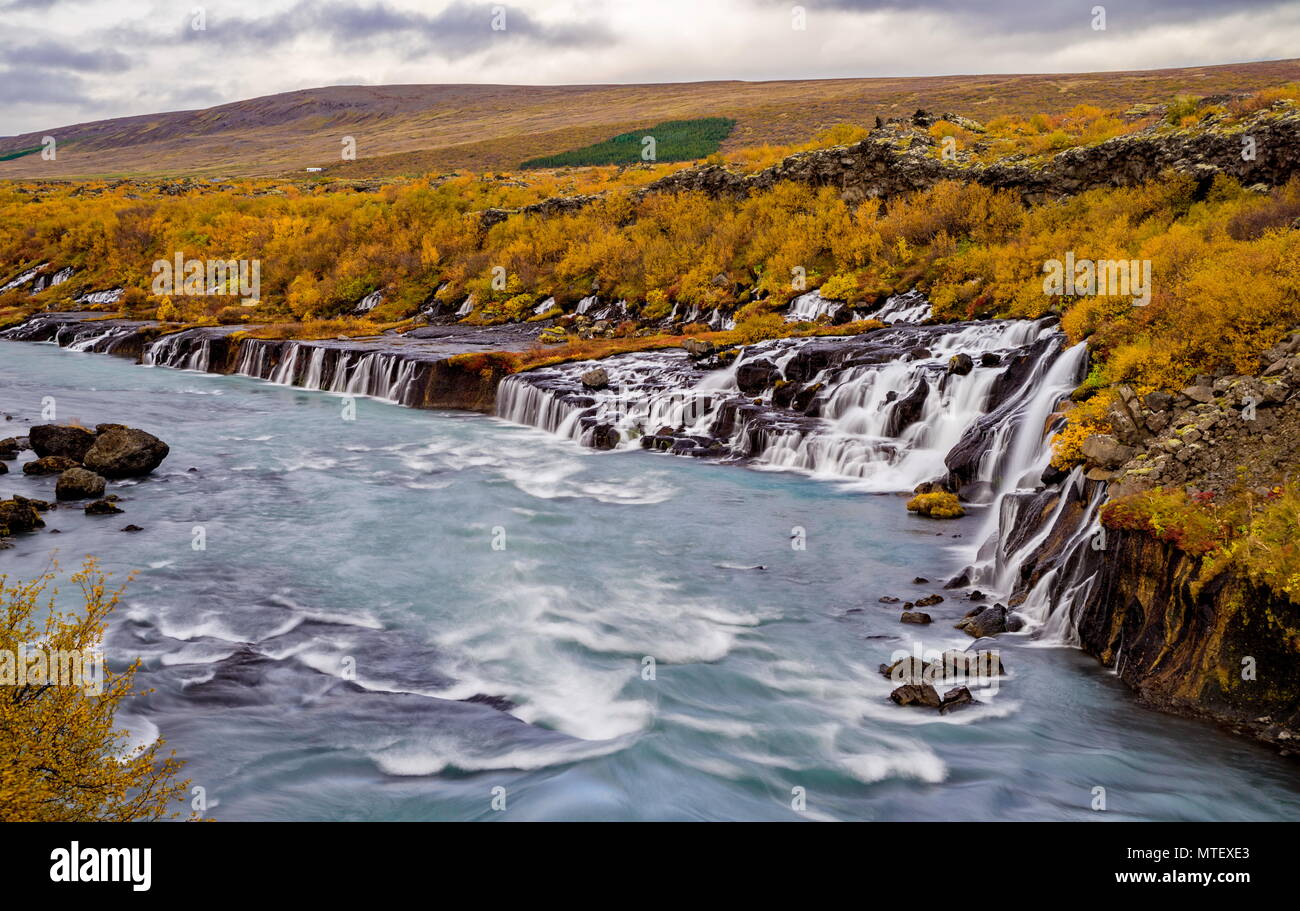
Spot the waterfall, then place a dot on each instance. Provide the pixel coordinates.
(808, 307)
(101, 336)
(110, 296)
(22, 279)
(888, 407)
(327, 367)
(911, 307)
(190, 349)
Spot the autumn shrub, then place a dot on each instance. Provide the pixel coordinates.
(939, 504)
(1171, 516)
(64, 759)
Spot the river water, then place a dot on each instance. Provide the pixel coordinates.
(395, 617)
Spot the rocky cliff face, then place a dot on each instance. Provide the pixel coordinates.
(890, 162)
(1222, 648)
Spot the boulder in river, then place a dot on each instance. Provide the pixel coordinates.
(597, 378)
(19, 514)
(929, 601)
(11, 446)
(960, 364)
(989, 621)
(102, 508)
(605, 436)
(125, 453)
(956, 698)
(52, 464)
(79, 484)
(917, 694)
(61, 440)
(918, 617)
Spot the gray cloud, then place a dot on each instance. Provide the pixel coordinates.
(456, 31)
(51, 55)
(25, 87)
(1014, 17)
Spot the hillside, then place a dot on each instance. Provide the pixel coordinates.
(419, 128)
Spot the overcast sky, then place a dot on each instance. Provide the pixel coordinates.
(69, 61)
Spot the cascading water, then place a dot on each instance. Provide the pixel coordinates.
(386, 375)
(910, 307)
(887, 411)
(888, 408)
(187, 350)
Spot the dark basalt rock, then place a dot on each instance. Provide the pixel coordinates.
(989, 621)
(907, 410)
(79, 484)
(125, 453)
(955, 698)
(960, 364)
(605, 437)
(754, 376)
(49, 465)
(61, 440)
(917, 694)
(101, 508)
(19, 514)
(11, 446)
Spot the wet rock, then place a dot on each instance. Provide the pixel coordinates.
(18, 514)
(930, 601)
(907, 410)
(961, 580)
(132, 528)
(917, 617)
(101, 508)
(79, 484)
(753, 377)
(4, 469)
(49, 465)
(990, 359)
(989, 621)
(605, 437)
(960, 364)
(920, 580)
(595, 379)
(889, 599)
(61, 440)
(125, 453)
(905, 670)
(955, 698)
(11, 446)
(917, 694)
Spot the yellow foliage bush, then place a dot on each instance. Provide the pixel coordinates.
(937, 505)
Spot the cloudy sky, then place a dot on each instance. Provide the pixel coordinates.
(69, 61)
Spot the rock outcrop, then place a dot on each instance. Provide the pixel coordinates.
(79, 484)
(1220, 648)
(123, 452)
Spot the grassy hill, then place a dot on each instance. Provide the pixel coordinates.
(404, 129)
